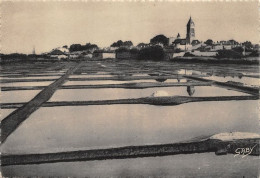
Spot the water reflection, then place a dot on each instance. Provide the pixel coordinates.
(160, 80)
(88, 127)
(189, 72)
(89, 76)
(121, 93)
(5, 113)
(18, 96)
(100, 82)
(190, 90)
(245, 80)
(29, 77)
(18, 84)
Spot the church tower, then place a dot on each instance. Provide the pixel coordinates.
(190, 36)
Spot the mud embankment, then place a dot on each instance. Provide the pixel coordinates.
(201, 59)
(160, 101)
(12, 121)
(217, 146)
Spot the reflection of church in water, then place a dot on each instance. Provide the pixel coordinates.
(190, 90)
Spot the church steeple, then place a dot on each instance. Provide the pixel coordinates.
(190, 21)
(190, 36)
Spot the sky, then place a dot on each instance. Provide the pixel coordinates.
(47, 25)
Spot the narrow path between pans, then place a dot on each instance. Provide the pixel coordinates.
(12, 121)
(190, 147)
(161, 101)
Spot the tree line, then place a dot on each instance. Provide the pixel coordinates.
(79, 47)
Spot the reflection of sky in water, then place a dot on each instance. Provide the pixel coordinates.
(60, 72)
(140, 75)
(36, 74)
(93, 82)
(100, 82)
(5, 112)
(189, 72)
(120, 93)
(18, 96)
(250, 73)
(37, 77)
(89, 76)
(87, 127)
(245, 80)
(20, 84)
(190, 165)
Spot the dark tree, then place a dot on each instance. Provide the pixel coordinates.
(127, 43)
(247, 44)
(134, 51)
(93, 46)
(113, 45)
(151, 53)
(228, 54)
(141, 45)
(79, 47)
(90, 46)
(14, 56)
(75, 47)
(160, 39)
(122, 49)
(238, 49)
(209, 42)
(119, 43)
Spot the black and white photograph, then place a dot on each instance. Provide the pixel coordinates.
(130, 89)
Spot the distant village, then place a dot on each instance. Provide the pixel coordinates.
(159, 48)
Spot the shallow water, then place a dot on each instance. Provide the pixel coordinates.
(45, 74)
(103, 82)
(18, 96)
(120, 93)
(140, 75)
(88, 127)
(20, 84)
(189, 72)
(5, 112)
(60, 72)
(191, 165)
(37, 77)
(93, 82)
(56, 129)
(89, 76)
(245, 80)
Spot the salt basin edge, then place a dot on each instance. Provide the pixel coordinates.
(160, 101)
(218, 146)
